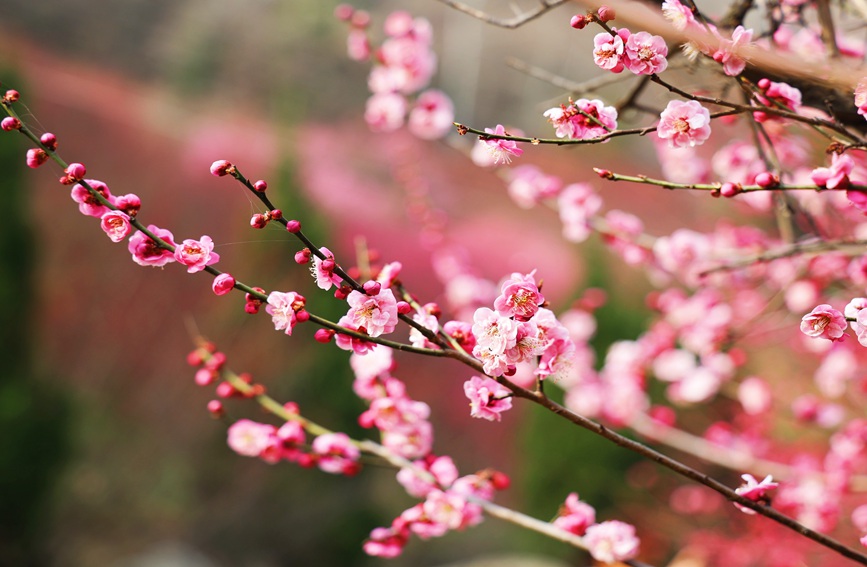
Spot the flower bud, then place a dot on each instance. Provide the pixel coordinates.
(372, 287)
(258, 221)
(767, 180)
(730, 189)
(76, 171)
(260, 186)
(578, 22)
(215, 407)
(605, 14)
(343, 12)
(293, 226)
(404, 308)
(302, 256)
(323, 335)
(11, 96)
(10, 123)
(276, 214)
(36, 157)
(220, 168)
(223, 284)
(49, 140)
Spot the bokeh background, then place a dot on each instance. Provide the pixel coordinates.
(107, 454)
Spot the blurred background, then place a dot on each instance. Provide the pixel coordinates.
(107, 454)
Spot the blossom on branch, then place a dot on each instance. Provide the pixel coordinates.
(488, 398)
(283, 309)
(501, 151)
(684, 123)
(611, 541)
(583, 119)
(824, 322)
(196, 254)
(146, 252)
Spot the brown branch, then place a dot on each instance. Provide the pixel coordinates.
(508, 23)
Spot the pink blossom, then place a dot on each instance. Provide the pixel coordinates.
(836, 176)
(385, 112)
(377, 315)
(582, 119)
(575, 516)
(528, 186)
(408, 61)
(116, 225)
(494, 335)
(645, 54)
(754, 490)
(684, 123)
(755, 395)
(529, 344)
(448, 509)
(611, 541)
(336, 453)
(432, 116)
(146, 252)
(679, 15)
(88, 204)
(727, 54)
(358, 45)
(385, 542)
(442, 469)
(323, 270)
(223, 284)
(608, 50)
(36, 157)
(577, 203)
(861, 97)
(500, 150)
(196, 254)
(282, 307)
(488, 399)
(409, 440)
(347, 342)
(249, 438)
(429, 322)
(824, 322)
(519, 297)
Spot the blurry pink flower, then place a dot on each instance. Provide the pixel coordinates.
(385, 542)
(249, 438)
(337, 454)
(727, 54)
(36, 157)
(409, 440)
(500, 150)
(146, 252)
(358, 45)
(488, 399)
(836, 176)
(223, 284)
(645, 54)
(824, 322)
(611, 541)
(575, 516)
(429, 322)
(346, 342)
(755, 395)
(684, 123)
(578, 203)
(679, 15)
(385, 112)
(754, 490)
(432, 116)
(116, 225)
(608, 50)
(519, 297)
(442, 468)
(529, 185)
(282, 307)
(196, 254)
(88, 204)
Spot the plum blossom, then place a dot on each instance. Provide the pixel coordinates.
(836, 176)
(575, 516)
(679, 15)
(645, 54)
(283, 309)
(727, 54)
(196, 254)
(116, 225)
(577, 203)
(861, 97)
(88, 204)
(824, 322)
(249, 438)
(494, 334)
(442, 469)
(337, 454)
(385, 112)
(323, 270)
(386, 542)
(608, 50)
(611, 541)
(755, 491)
(684, 123)
(519, 297)
(223, 284)
(432, 116)
(376, 314)
(529, 185)
(146, 252)
(488, 399)
(501, 151)
(582, 119)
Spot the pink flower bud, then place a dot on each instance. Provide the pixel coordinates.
(225, 390)
(764, 84)
(433, 309)
(605, 14)
(404, 308)
(76, 171)
(293, 226)
(220, 168)
(372, 287)
(194, 358)
(251, 308)
(500, 480)
(302, 256)
(258, 221)
(223, 284)
(730, 189)
(204, 377)
(578, 22)
(767, 180)
(36, 157)
(276, 214)
(360, 19)
(11, 96)
(328, 264)
(302, 316)
(129, 203)
(10, 123)
(342, 292)
(260, 186)
(343, 12)
(49, 140)
(323, 335)
(215, 407)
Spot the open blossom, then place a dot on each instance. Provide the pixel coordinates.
(146, 252)
(116, 225)
(323, 270)
(727, 54)
(529, 185)
(384, 112)
(488, 399)
(582, 119)
(575, 516)
(376, 314)
(611, 541)
(336, 453)
(577, 203)
(679, 15)
(501, 150)
(249, 438)
(645, 54)
(387, 542)
(608, 50)
(824, 322)
(432, 116)
(196, 254)
(88, 204)
(283, 307)
(684, 123)
(836, 176)
(442, 469)
(519, 297)
(754, 490)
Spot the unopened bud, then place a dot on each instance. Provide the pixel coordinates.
(220, 167)
(260, 186)
(605, 14)
(10, 123)
(578, 22)
(293, 226)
